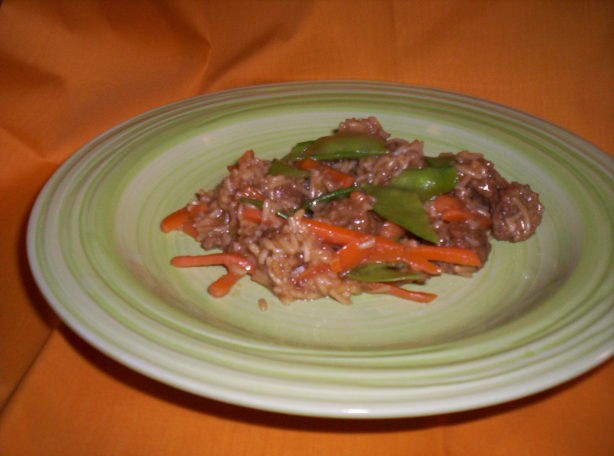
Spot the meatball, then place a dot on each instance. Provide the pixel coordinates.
(516, 213)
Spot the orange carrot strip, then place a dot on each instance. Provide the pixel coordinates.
(358, 251)
(247, 155)
(383, 250)
(453, 210)
(335, 265)
(354, 253)
(454, 215)
(233, 261)
(253, 214)
(340, 178)
(341, 236)
(391, 231)
(175, 220)
(308, 164)
(331, 233)
(182, 219)
(445, 203)
(404, 254)
(312, 271)
(411, 295)
(196, 208)
(189, 229)
(418, 257)
(453, 255)
(350, 257)
(222, 286)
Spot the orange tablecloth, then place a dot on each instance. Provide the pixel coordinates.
(71, 69)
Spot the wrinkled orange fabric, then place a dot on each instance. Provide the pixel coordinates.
(70, 70)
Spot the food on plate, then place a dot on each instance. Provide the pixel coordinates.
(356, 211)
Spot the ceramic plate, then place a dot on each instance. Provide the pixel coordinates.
(538, 314)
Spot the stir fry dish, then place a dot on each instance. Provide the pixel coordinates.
(357, 211)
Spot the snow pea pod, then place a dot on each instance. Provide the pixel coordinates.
(382, 272)
(339, 146)
(440, 161)
(298, 151)
(426, 182)
(404, 208)
(280, 168)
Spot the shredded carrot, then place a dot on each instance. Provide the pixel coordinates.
(196, 208)
(355, 252)
(253, 214)
(382, 250)
(247, 155)
(411, 295)
(356, 248)
(456, 215)
(223, 285)
(462, 216)
(189, 229)
(391, 231)
(313, 270)
(414, 260)
(341, 179)
(453, 255)
(418, 258)
(340, 236)
(331, 233)
(453, 210)
(234, 262)
(183, 219)
(175, 220)
(445, 203)
(335, 265)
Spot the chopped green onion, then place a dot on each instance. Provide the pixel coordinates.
(326, 197)
(259, 204)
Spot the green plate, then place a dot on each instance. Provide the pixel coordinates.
(539, 313)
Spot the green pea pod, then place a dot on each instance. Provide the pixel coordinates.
(340, 146)
(280, 168)
(404, 208)
(426, 182)
(382, 272)
(298, 151)
(326, 197)
(440, 161)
